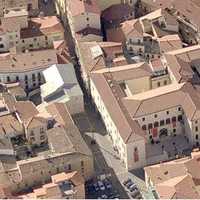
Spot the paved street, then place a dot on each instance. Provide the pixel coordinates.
(106, 160)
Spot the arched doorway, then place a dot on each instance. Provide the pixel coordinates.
(163, 133)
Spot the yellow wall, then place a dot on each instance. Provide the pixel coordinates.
(138, 85)
(103, 4)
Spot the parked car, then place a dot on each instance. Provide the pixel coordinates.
(101, 185)
(133, 186)
(133, 189)
(107, 184)
(129, 184)
(135, 193)
(104, 196)
(126, 181)
(96, 187)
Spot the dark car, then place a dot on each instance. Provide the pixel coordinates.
(127, 181)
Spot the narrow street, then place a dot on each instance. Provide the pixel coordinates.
(106, 160)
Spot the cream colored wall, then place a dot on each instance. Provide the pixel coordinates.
(36, 172)
(171, 75)
(195, 123)
(13, 38)
(40, 41)
(37, 131)
(111, 128)
(5, 42)
(140, 145)
(56, 36)
(103, 4)
(138, 85)
(36, 43)
(135, 49)
(21, 21)
(90, 38)
(80, 22)
(20, 3)
(162, 115)
(161, 80)
(21, 75)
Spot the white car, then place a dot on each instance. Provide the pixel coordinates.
(104, 196)
(101, 185)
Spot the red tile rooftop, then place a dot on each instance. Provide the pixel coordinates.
(77, 7)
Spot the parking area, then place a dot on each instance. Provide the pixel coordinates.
(132, 189)
(101, 188)
(106, 160)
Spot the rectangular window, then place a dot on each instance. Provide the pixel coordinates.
(8, 79)
(144, 127)
(180, 118)
(173, 119)
(168, 121)
(162, 123)
(156, 124)
(150, 126)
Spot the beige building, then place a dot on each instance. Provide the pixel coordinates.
(27, 67)
(103, 4)
(143, 105)
(142, 36)
(41, 33)
(29, 34)
(62, 186)
(29, 5)
(188, 19)
(175, 179)
(66, 150)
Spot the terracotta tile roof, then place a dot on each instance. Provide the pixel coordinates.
(22, 62)
(74, 177)
(117, 12)
(77, 7)
(176, 179)
(187, 8)
(26, 110)
(60, 113)
(112, 96)
(129, 28)
(169, 43)
(42, 26)
(180, 61)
